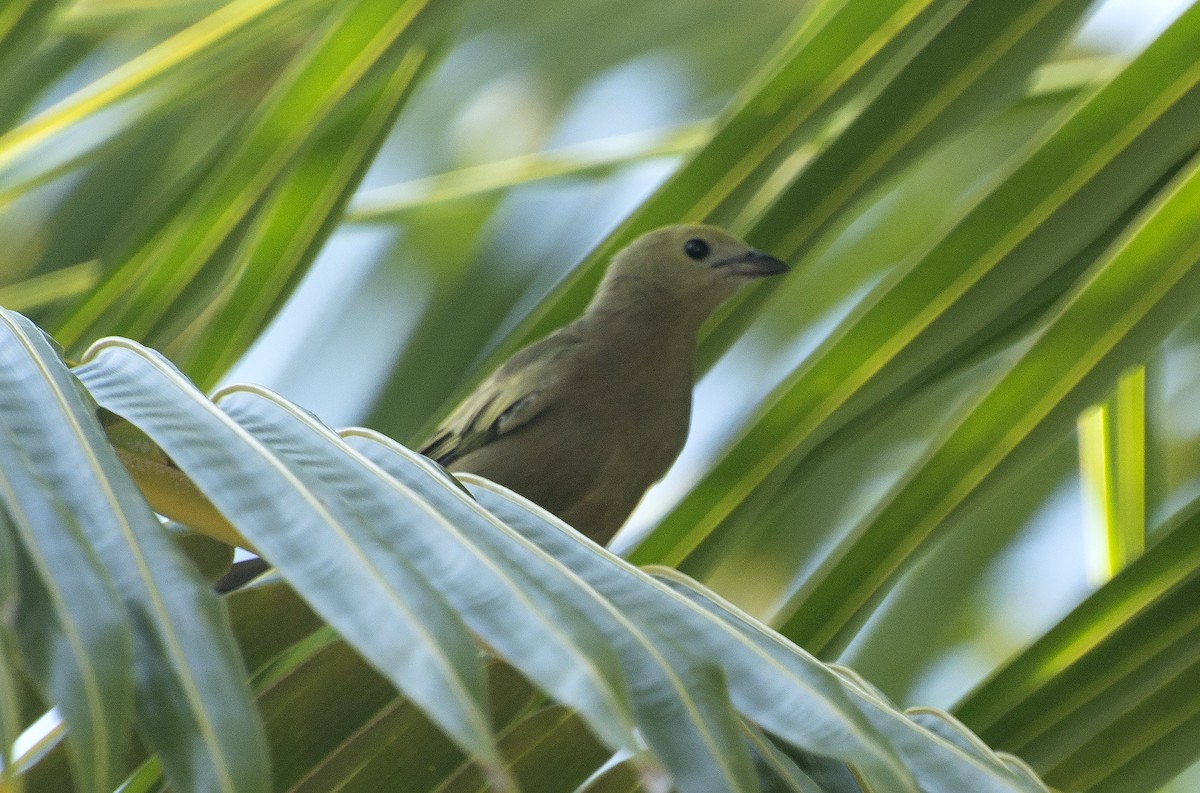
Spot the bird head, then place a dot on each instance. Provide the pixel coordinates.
(687, 267)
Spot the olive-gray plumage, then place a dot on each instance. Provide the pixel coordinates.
(583, 421)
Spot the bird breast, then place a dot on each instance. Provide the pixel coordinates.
(644, 395)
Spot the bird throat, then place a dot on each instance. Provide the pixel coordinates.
(641, 310)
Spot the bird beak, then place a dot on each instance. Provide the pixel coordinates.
(754, 264)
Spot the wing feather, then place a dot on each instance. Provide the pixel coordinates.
(511, 397)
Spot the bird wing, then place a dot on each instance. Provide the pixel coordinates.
(512, 396)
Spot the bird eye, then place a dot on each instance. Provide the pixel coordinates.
(696, 248)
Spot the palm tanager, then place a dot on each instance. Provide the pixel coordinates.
(583, 421)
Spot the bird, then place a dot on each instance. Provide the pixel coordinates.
(583, 421)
